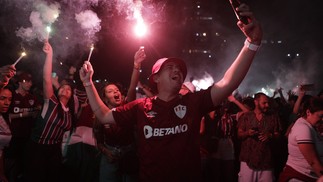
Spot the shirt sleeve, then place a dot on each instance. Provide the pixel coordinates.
(303, 133)
(125, 115)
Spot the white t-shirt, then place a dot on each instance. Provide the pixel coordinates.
(5, 134)
(303, 132)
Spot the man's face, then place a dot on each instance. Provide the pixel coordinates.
(26, 84)
(262, 103)
(112, 95)
(170, 76)
(5, 100)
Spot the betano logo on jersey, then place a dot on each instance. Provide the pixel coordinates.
(149, 131)
(158, 132)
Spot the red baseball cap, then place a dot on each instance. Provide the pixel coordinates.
(160, 62)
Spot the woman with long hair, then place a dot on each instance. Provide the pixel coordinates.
(56, 116)
(5, 133)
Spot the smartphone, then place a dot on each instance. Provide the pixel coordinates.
(235, 4)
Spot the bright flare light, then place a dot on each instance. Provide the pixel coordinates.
(22, 55)
(140, 29)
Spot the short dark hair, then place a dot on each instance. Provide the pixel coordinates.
(258, 95)
(313, 104)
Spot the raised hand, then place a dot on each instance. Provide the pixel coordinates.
(86, 72)
(139, 56)
(47, 48)
(252, 30)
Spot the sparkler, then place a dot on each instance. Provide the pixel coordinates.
(48, 30)
(92, 47)
(22, 55)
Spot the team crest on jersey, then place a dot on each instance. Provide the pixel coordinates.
(180, 111)
(31, 102)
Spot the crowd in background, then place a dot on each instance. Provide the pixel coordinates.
(84, 145)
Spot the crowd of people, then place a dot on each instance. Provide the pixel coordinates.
(173, 133)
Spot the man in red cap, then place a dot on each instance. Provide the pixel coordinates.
(167, 125)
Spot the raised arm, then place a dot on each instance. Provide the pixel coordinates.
(280, 91)
(101, 111)
(297, 105)
(47, 71)
(231, 98)
(138, 58)
(239, 68)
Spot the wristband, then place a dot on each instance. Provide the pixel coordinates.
(136, 66)
(250, 46)
(87, 84)
(20, 114)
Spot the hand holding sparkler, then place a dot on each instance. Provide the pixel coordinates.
(86, 73)
(6, 73)
(47, 48)
(139, 57)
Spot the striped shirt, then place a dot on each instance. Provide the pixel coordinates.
(50, 125)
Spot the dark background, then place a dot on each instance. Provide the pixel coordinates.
(296, 23)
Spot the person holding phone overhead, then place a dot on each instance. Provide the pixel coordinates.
(167, 125)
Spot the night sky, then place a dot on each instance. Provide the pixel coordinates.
(293, 61)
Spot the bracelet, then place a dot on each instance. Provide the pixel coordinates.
(136, 66)
(251, 46)
(87, 84)
(20, 114)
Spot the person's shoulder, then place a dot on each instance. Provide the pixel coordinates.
(242, 114)
(199, 94)
(247, 114)
(301, 123)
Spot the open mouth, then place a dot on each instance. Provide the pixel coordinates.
(175, 77)
(117, 97)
